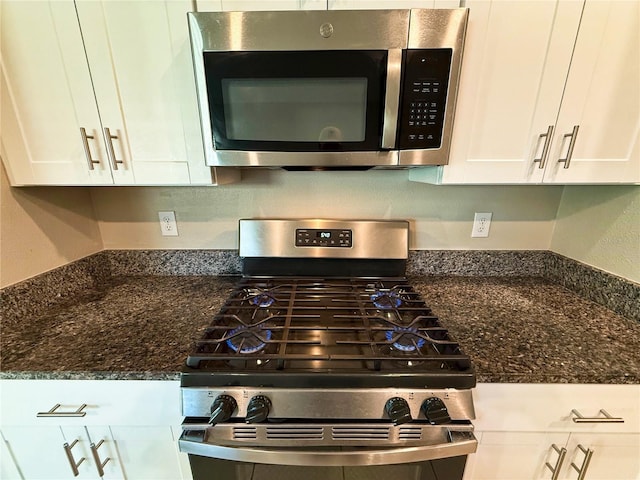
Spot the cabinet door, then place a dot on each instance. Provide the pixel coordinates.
(602, 98)
(105, 455)
(259, 5)
(40, 453)
(141, 68)
(514, 456)
(614, 457)
(47, 97)
(389, 4)
(270, 5)
(147, 453)
(8, 466)
(514, 67)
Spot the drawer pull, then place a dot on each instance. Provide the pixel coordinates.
(582, 471)
(54, 413)
(96, 457)
(72, 461)
(579, 418)
(556, 469)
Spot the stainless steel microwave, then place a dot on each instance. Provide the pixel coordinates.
(327, 89)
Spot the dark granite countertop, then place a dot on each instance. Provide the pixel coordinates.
(516, 329)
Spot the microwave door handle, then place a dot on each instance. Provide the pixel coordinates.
(392, 98)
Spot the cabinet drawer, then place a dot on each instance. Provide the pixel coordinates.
(108, 402)
(548, 407)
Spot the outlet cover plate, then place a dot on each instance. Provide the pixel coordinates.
(168, 225)
(481, 224)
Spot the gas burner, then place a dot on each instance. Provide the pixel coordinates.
(405, 339)
(387, 299)
(258, 297)
(245, 340)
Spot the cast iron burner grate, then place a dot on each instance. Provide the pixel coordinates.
(320, 325)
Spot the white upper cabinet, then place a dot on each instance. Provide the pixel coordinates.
(534, 70)
(259, 5)
(602, 99)
(390, 4)
(271, 5)
(100, 92)
(140, 63)
(47, 98)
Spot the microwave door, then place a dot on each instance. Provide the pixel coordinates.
(303, 107)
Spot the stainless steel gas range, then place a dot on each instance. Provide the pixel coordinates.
(324, 358)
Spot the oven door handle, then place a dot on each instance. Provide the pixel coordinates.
(462, 443)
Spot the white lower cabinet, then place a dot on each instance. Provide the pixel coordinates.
(529, 432)
(525, 455)
(52, 453)
(147, 452)
(514, 456)
(8, 466)
(117, 430)
(610, 456)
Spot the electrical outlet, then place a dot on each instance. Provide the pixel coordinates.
(481, 224)
(168, 225)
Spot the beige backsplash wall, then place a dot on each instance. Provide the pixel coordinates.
(42, 228)
(441, 217)
(600, 226)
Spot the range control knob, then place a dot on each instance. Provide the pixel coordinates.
(222, 408)
(435, 410)
(398, 410)
(258, 409)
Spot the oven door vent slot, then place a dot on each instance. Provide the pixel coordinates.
(295, 433)
(360, 433)
(244, 433)
(410, 433)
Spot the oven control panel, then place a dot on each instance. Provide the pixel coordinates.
(327, 237)
(256, 405)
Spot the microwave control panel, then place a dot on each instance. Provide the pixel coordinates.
(424, 98)
(330, 237)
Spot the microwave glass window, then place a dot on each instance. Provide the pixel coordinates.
(295, 109)
(296, 101)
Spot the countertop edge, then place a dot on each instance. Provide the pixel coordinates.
(61, 375)
(175, 376)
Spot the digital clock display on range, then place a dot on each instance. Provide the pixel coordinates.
(312, 237)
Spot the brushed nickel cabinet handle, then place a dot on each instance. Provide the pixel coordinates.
(574, 134)
(54, 412)
(87, 151)
(545, 149)
(96, 457)
(555, 470)
(582, 470)
(606, 419)
(110, 151)
(72, 462)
